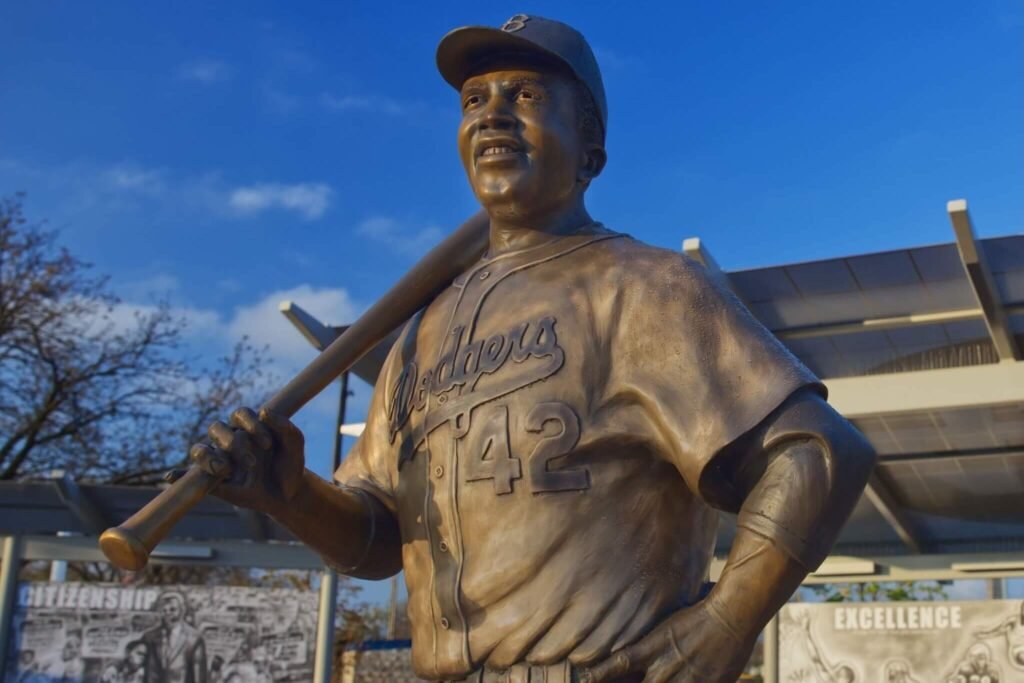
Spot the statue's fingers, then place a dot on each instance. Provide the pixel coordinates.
(246, 418)
(687, 675)
(666, 667)
(211, 460)
(618, 664)
(283, 429)
(174, 475)
(221, 435)
(633, 659)
(234, 441)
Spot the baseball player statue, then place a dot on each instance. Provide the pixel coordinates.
(550, 440)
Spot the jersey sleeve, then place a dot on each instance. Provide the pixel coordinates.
(369, 464)
(697, 369)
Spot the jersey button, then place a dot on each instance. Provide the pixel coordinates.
(445, 624)
(443, 546)
(438, 471)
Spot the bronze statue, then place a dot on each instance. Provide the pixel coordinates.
(551, 437)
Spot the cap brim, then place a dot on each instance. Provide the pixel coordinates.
(462, 49)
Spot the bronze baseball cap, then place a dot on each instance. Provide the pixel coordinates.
(464, 48)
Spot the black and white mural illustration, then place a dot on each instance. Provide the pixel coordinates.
(902, 642)
(96, 633)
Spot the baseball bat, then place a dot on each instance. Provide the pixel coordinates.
(128, 546)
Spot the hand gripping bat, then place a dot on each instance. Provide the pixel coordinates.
(128, 546)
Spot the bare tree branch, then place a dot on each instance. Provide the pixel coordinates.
(89, 390)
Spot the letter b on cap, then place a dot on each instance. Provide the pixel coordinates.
(517, 22)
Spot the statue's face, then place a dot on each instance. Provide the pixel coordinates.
(519, 140)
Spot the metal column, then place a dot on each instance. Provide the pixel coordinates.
(325, 627)
(329, 583)
(8, 591)
(771, 651)
(321, 336)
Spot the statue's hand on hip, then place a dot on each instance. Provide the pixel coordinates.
(694, 645)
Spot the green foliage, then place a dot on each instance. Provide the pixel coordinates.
(879, 591)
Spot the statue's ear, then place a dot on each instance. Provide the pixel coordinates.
(594, 159)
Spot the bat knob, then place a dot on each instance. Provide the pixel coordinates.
(123, 549)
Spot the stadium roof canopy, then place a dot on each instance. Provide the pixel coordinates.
(920, 347)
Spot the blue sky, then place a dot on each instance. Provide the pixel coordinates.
(229, 155)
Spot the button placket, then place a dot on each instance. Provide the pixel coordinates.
(442, 477)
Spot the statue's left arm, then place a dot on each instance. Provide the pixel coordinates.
(800, 473)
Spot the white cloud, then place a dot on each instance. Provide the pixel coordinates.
(310, 200)
(130, 186)
(288, 351)
(371, 103)
(132, 177)
(280, 101)
(159, 285)
(209, 335)
(199, 323)
(205, 71)
(230, 284)
(411, 241)
(260, 321)
(263, 322)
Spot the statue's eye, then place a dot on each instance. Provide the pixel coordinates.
(524, 95)
(471, 101)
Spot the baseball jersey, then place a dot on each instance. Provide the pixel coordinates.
(545, 432)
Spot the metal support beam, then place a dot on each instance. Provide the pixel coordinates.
(59, 568)
(881, 497)
(315, 332)
(320, 336)
(80, 505)
(939, 568)
(324, 656)
(770, 673)
(213, 553)
(996, 589)
(964, 387)
(878, 324)
(354, 429)
(11, 559)
(695, 249)
(981, 280)
(949, 567)
(255, 523)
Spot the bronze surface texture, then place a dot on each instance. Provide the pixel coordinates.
(553, 435)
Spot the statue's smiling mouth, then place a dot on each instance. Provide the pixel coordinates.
(498, 148)
(490, 151)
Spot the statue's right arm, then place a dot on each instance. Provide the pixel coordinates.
(348, 526)
(264, 456)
